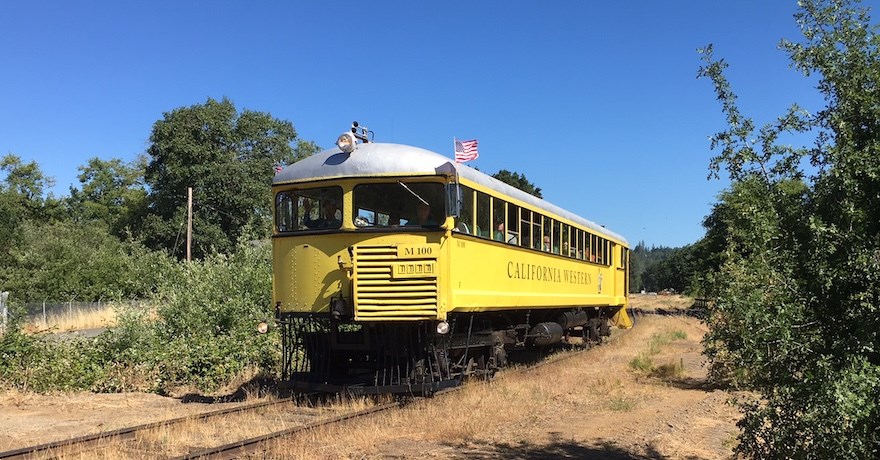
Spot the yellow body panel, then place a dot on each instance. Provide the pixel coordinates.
(491, 275)
(427, 275)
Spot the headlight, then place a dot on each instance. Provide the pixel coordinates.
(442, 327)
(346, 142)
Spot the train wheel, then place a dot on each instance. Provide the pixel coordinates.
(499, 355)
(604, 327)
(593, 327)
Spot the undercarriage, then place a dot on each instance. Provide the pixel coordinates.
(333, 355)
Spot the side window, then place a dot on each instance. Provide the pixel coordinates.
(592, 248)
(537, 219)
(285, 210)
(308, 209)
(512, 224)
(566, 245)
(499, 232)
(465, 222)
(556, 239)
(484, 216)
(525, 228)
(579, 243)
(547, 242)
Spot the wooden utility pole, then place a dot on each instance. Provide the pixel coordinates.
(189, 222)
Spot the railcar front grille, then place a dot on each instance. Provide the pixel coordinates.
(387, 287)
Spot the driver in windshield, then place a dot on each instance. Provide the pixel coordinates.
(328, 217)
(423, 216)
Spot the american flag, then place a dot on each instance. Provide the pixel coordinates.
(465, 150)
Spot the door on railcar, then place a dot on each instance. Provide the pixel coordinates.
(622, 270)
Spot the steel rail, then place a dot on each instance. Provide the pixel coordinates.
(238, 448)
(91, 440)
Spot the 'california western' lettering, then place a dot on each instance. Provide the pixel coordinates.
(526, 271)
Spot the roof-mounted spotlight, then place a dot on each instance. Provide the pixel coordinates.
(346, 142)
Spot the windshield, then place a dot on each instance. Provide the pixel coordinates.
(308, 209)
(399, 204)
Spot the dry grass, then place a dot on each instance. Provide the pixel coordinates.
(593, 399)
(666, 302)
(15, 397)
(78, 319)
(74, 320)
(506, 411)
(644, 361)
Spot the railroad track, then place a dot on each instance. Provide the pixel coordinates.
(97, 440)
(256, 444)
(246, 446)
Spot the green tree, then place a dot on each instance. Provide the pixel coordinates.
(228, 158)
(62, 260)
(645, 267)
(22, 199)
(111, 191)
(519, 181)
(797, 316)
(23, 187)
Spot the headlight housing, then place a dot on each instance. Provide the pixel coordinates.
(346, 142)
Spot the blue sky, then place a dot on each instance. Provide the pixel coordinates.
(597, 103)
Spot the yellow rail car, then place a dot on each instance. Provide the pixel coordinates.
(395, 269)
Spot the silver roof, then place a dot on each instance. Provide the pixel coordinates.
(379, 159)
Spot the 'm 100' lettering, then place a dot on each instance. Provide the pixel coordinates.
(417, 251)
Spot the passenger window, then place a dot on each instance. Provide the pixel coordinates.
(499, 233)
(592, 248)
(579, 243)
(556, 239)
(512, 224)
(465, 223)
(526, 227)
(536, 230)
(547, 244)
(566, 246)
(484, 217)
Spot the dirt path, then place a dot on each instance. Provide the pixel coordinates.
(594, 406)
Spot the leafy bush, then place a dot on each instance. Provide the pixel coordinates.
(203, 336)
(207, 322)
(797, 312)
